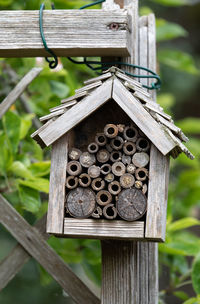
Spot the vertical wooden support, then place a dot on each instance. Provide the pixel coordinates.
(130, 269)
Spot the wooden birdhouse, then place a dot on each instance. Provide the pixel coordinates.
(111, 145)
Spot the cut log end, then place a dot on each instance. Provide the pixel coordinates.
(118, 169)
(127, 180)
(71, 182)
(114, 188)
(74, 168)
(131, 134)
(111, 131)
(110, 212)
(87, 159)
(98, 184)
(74, 154)
(103, 198)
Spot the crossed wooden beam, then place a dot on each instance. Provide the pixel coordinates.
(32, 240)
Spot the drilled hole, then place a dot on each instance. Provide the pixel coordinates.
(98, 184)
(104, 198)
(115, 156)
(130, 133)
(141, 174)
(110, 211)
(106, 169)
(101, 139)
(129, 148)
(117, 143)
(84, 180)
(111, 131)
(74, 168)
(115, 187)
(118, 168)
(71, 182)
(93, 147)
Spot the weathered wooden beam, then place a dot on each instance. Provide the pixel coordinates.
(67, 32)
(18, 90)
(36, 246)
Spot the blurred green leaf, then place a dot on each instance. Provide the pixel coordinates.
(166, 100)
(168, 30)
(173, 2)
(196, 274)
(92, 252)
(6, 156)
(192, 301)
(189, 125)
(145, 10)
(39, 184)
(182, 224)
(58, 88)
(93, 272)
(19, 170)
(30, 199)
(40, 168)
(181, 295)
(5, 2)
(12, 125)
(26, 123)
(178, 60)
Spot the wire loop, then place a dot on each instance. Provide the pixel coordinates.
(52, 63)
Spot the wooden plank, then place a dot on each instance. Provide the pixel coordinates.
(103, 229)
(18, 90)
(52, 115)
(59, 158)
(89, 87)
(101, 77)
(76, 114)
(128, 79)
(74, 97)
(67, 32)
(156, 110)
(142, 118)
(16, 259)
(36, 246)
(159, 166)
(64, 106)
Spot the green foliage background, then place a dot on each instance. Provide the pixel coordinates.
(24, 167)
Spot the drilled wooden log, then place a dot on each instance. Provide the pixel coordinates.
(109, 178)
(129, 148)
(103, 156)
(97, 212)
(106, 169)
(114, 188)
(103, 198)
(71, 182)
(93, 148)
(118, 168)
(117, 143)
(84, 180)
(87, 159)
(144, 188)
(101, 139)
(110, 212)
(141, 174)
(127, 180)
(131, 169)
(140, 159)
(74, 154)
(74, 168)
(115, 156)
(81, 202)
(138, 184)
(126, 159)
(94, 171)
(98, 184)
(131, 204)
(142, 144)
(130, 133)
(111, 131)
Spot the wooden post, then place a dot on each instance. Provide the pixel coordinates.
(130, 269)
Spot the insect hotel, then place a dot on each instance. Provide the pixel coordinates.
(105, 180)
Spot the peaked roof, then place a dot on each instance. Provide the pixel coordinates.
(134, 100)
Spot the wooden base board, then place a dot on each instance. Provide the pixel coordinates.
(103, 229)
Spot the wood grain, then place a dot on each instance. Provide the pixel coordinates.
(77, 113)
(67, 32)
(57, 185)
(18, 90)
(37, 247)
(103, 229)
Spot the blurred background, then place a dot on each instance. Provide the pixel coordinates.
(23, 164)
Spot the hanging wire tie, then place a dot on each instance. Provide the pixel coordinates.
(52, 62)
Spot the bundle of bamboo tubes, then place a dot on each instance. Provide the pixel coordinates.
(110, 179)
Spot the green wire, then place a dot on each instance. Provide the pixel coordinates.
(91, 4)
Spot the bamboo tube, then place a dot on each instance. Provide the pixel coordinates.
(115, 156)
(141, 174)
(131, 204)
(114, 188)
(126, 159)
(118, 168)
(74, 154)
(94, 171)
(140, 159)
(103, 156)
(98, 184)
(110, 212)
(87, 159)
(97, 213)
(109, 148)
(129, 148)
(117, 143)
(111, 131)
(101, 139)
(121, 128)
(130, 133)
(71, 182)
(103, 198)
(74, 168)
(80, 202)
(131, 169)
(138, 184)
(144, 188)
(106, 169)
(142, 144)
(109, 178)
(84, 180)
(127, 180)
(93, 148)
